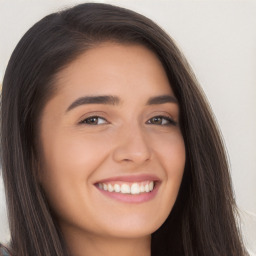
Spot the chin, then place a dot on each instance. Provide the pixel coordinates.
(132, 229)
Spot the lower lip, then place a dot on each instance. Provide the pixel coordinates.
(129, 198)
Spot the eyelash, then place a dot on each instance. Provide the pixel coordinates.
(91, 117)
(169, 120)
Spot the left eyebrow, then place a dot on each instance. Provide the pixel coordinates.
(108, 99)
(162, 99)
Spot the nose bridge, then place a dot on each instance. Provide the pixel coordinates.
(133, 144)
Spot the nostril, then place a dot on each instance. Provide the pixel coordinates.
(127, 160)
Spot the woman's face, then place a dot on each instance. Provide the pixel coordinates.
(113, 124)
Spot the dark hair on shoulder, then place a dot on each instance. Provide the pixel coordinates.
(203, 219)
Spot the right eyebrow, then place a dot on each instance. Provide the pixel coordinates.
(162, 99)
(102, 99)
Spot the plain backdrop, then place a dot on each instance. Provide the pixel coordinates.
(219, 40)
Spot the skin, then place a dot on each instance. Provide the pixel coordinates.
(126, 140)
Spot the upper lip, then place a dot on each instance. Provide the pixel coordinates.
(131, 178)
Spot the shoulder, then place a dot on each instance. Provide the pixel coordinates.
(3, 251)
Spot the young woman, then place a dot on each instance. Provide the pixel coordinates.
(108, 145)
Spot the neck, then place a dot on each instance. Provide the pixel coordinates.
(108, 246)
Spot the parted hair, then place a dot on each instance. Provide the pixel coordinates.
(203, 219)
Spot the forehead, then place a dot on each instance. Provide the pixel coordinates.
(114, 68)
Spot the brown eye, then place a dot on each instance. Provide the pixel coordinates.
(161, 120)
(156, 120)
(94, 120)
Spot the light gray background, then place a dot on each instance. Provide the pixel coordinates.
(219, 40)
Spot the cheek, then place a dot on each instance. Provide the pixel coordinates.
(170, 149)
(171, 154)
(68, 162)
(74, 153)
(174, 162)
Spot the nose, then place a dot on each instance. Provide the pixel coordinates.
(132, 146)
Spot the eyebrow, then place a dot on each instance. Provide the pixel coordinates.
(108, 100)
(161, 100)
(114, 100)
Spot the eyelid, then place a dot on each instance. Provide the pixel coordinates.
(167, 117)
(91, 116)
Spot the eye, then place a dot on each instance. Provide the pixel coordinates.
(94, 120)
(162, 120)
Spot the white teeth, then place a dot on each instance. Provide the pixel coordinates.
(125, 189)
(134, 188)
(110, 188)
(117, 188)
(151, 186)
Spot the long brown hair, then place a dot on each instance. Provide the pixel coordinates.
(203, 219)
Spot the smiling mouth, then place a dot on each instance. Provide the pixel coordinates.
(134, 188)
